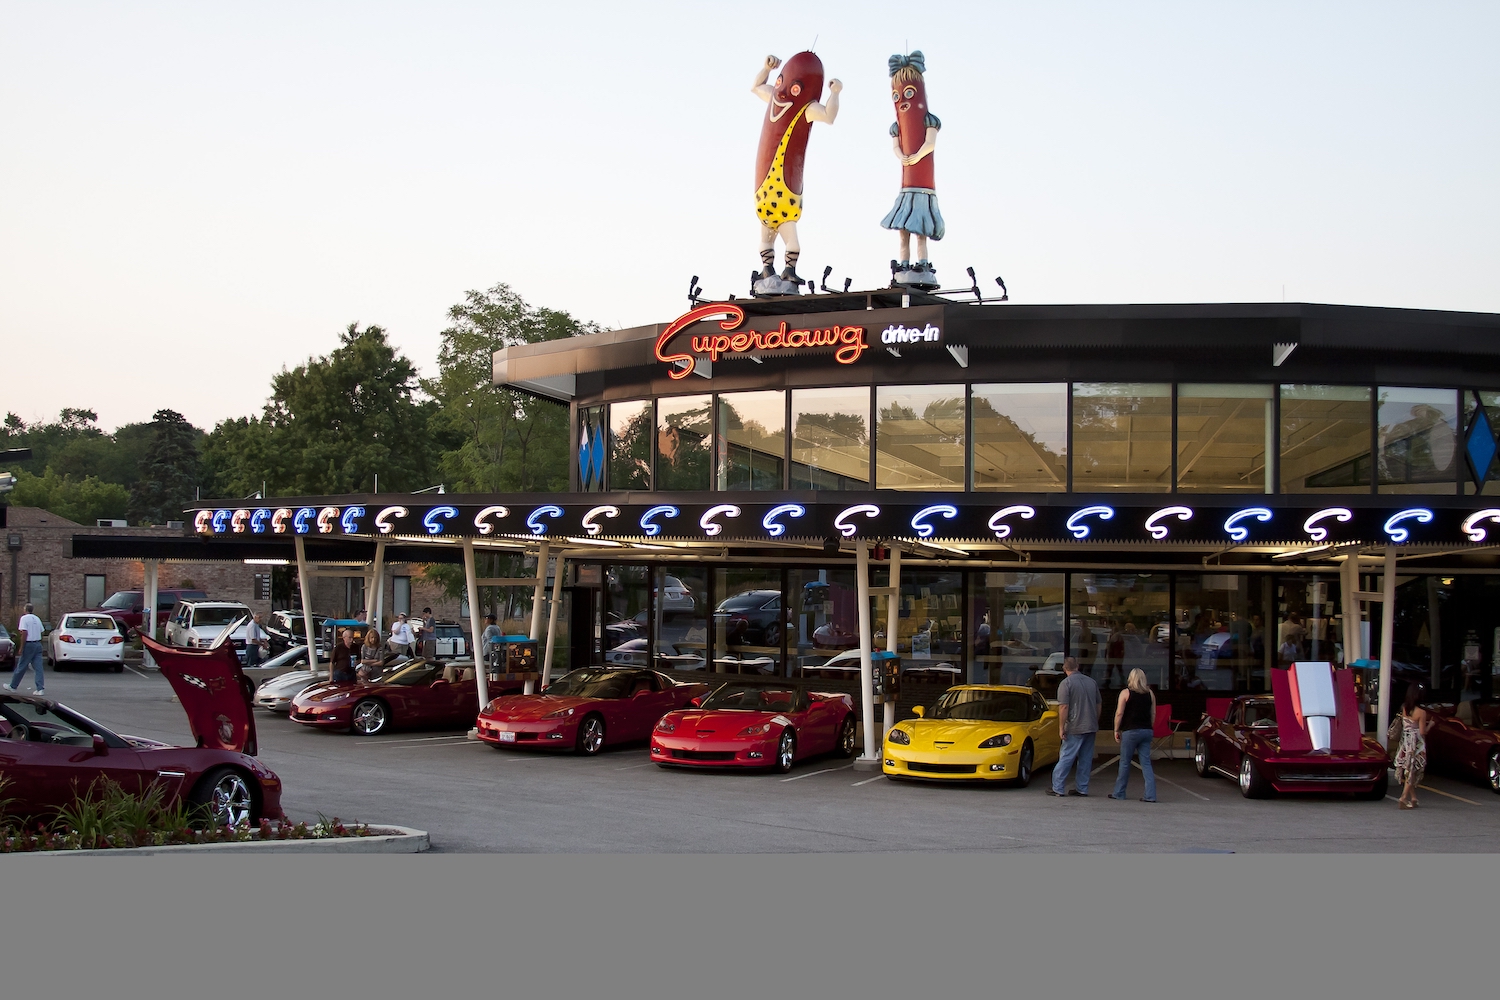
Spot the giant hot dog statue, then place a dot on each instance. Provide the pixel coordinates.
(791, 108)
(914, 137)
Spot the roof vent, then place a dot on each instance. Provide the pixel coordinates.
(112, 522)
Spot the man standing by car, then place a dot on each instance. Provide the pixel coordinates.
(257, 641)
(1078, 721)
(29, 636)
(429, 634)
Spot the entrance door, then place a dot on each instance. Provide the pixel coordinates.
(583, 627)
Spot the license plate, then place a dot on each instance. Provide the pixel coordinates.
(91, 642)
(506, 737)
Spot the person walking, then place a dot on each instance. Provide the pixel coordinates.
(1078, 723)
(30, 636)
(1135, 719)
(1411, 758)
(257, 641)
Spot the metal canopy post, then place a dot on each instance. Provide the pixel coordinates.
(538, 595)
(471, 583)
(1349, 598)
(377, 609)
(557, 579)
(1387, 636)
(892, 618)
(866, 678)
(304, 583)
(152, 586)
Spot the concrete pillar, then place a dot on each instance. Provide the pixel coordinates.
(476, 624)
(305, 583)
(866, 678)
(538, 595)
(377, 607)
(151, 588)
(1387, 637)
(557, 579)
(892, 618)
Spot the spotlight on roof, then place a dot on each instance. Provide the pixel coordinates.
(978, 295)
(695, 291)
(1004, 292)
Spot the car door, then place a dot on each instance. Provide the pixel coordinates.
(819, 721)
(647, 707)
(1045, 739)
(56, 760)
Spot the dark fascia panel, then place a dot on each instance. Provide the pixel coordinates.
(236, 550)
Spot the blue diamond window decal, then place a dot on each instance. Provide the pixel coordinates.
(1480, 446)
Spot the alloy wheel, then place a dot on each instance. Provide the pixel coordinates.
(593, 735)
(1246, 774)
(1495, 772)
(231, 802)
(369, 718)
(785, 751)
(1200, 758)
(846, 738)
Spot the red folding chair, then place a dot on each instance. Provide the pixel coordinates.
(1217, 708)
(1165, 728)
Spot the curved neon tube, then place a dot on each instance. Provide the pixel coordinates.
(707, 523)
(484, 526)
(300, 519)
(919, 519)
(431, 522)
(1398, 534)
(1159, 531)
(1081, 530)
(237, 521)
(842, 523)
(1003, 530)
(203, 522)
(1471, 523)
(1317, 532)
(769, 522)
(326, 518)
(648, 522)
(540, 527)
(1238, 532)
(258, 520)
(279, 519)
(350, 521)
(607, 510)
(219, 519)
(383, 519)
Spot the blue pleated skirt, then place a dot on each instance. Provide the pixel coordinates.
(916, 211)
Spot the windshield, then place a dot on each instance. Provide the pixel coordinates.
(1261, 713)
(982, 706)
(750, 698)
(414, 672)
(590, 683)
(746, 602)
(125, 599)
(217, 616)
(102, 623)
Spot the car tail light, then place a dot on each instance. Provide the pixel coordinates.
(66, 638)
(116, 639)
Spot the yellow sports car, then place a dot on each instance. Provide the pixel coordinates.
(988, 732)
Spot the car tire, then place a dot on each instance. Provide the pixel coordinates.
(846, 738)
(118, 668)
(1382, 786)
(1025, 765)
(773, 635)
(1200, 758)
(1494, 774)
(225, 797)
(591, 734)
(1252, 784)
(371, 717)
(786, 751)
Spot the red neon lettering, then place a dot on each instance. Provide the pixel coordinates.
(733, 317)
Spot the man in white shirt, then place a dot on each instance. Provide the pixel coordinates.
(30, 629)
(401, 637)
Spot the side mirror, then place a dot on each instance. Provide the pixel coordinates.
(918, 711)
(1050, 715)
(696, 702)
(100, 747)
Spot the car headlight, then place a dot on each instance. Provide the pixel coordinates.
(995, 742)
(759, 730)
(898, 736)
(561, 713)
(666, 725)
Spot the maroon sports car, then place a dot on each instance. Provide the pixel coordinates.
(47, 750)
(755, 723)
(409, 695)
(586, 710)
(1465, 739)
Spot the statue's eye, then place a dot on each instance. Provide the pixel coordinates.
(796, 89)
(895, 95)
(910, 92)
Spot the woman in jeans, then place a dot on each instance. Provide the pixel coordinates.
(1135, 717)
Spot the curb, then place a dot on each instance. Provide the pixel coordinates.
(401, 840)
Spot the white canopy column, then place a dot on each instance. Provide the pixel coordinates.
(151, 586)
(866, 678)
(538, 596)
(476, 625)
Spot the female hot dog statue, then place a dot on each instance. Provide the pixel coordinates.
(791, 108)
(914, 137)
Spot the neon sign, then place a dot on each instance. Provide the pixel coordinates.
(707, 522)
(1419, 514)
(1232, 522)
(774, 529)
(1159, 531)
(846, 342)
(326, 517)
(589, 525)
(648, 519)
(237, 522)
(383, 519)
(431, 522)
(498, 510)
(1316, 531)
(540, 527)
(842, 523)
(258, 521)
(203, 522)
(1471, 523)
(1081, 530)
(300, 519)
(1003, 530)
(279, 519)
(350, 521)
(919, 520)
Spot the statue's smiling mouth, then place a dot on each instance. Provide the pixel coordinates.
(905, 106)
(779, 108)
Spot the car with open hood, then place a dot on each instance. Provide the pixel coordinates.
(415, 693)
(756, 723)
(48, 751)
(975, 732)
(586, 710)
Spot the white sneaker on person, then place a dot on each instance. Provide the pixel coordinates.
(40, 692)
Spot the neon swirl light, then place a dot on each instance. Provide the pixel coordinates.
(769, 522)
(326, 519)
(1003, 530)
(484, 526)
(608, 510)
(383, 519)
(1398, 535)
(300, 519)
(279, 519)
(1471, 523)
(1078, 528)
(219, 519)
(1159, 531)
(350, 521)
(540, 527)
(258, 521)
(842, 523)
(707, 523)
(1233, 526)
(648, 522)
(431, 522)
(237, 522)
(1316, 531)
(919, 519)
(203, 522)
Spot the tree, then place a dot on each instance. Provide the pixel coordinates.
(82, 500)
(169, 470)
(501, 439)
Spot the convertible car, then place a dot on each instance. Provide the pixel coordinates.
(47, 750)
(1306, 738)
(586, 710)
(755, 723)
(1465, 739)
(417, 693)
(989, 732)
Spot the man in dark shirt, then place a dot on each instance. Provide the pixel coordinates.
(343, 658)
(1078, 720)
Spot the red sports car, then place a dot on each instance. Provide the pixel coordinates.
(1264, 744)
(755, 723)
(1465, 739)
(586, 709)
(410, 695)
(47, 750)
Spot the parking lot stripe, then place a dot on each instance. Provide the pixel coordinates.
(631, 767)
(134, 671)
(1438, 791)
(826, 770)
(420, 739)
(867, 781)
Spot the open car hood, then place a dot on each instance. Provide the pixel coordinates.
(214, 692)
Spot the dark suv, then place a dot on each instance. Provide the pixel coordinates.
(128, 607)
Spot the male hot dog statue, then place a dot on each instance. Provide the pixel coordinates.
(914, 137)
(791, 108)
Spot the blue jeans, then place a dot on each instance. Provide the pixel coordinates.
(1076, 748)
(1135, 742)
(31, 656)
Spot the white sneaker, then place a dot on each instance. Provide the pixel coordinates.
(40, 692)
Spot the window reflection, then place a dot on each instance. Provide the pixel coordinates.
(630, 445)
(929, 627)
(1021, 437)
(1325, 438)
(1418, 440)
(1018, 626)
(681, 602)
(752, 440)
(824, 623)
(1120, 621)
(683, 435)
(830, 439)
(625, 616)
(1223, 437)
(749, 622)
(1220, 639)
(919, 437)
(1122, 436)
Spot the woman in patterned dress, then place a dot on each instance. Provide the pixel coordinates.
(1411, 758)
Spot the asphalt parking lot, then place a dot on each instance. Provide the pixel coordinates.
(472, 797)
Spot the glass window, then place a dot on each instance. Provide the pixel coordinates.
(626, 622)
(752, 440)
(929, 628)
(919, 437)
(1491, 403)
(681, 593)
(401, 595)
(683, 439)
(1418, 440)
(1219, 643)
(1021, 437)
(1325, 438)
(823, 623)
(39, 594)
(1120, 621)
(831, 439)
(1307, 627)
(1224, 437)
(1018, 626)
(591, 449)
(749, 621)
(630, 445)
(93, 590)
(1122, 436)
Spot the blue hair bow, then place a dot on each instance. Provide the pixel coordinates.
(915, 60)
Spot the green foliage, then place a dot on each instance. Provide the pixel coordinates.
(76, 450)
(81, 500)
(169, 470)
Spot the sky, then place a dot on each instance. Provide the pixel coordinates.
(194, 196)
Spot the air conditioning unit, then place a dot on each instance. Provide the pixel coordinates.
(177, 525)
(112, 522)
